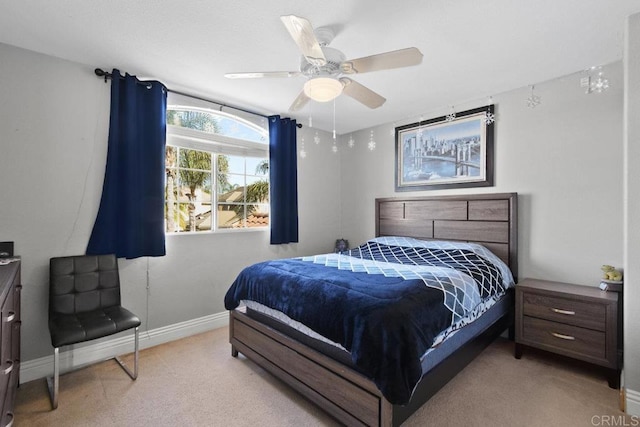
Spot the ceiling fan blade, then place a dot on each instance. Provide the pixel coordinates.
(383, 61)
(302, 33)
(361, 93)
(258, 75)
(299, 102)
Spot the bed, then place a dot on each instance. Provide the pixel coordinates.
(346, 380)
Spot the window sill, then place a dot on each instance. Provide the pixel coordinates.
(224, 231)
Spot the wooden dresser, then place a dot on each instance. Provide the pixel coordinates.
(581, 322)
(9, 338)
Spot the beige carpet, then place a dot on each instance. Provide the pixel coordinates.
(196, 382)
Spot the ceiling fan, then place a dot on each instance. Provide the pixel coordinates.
(324, 66)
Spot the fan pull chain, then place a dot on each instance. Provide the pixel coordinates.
(334, 148)
(334, 119)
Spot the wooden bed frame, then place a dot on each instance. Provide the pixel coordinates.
(351, 398)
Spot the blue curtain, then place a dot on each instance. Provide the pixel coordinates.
(283, 180)
(130, 221)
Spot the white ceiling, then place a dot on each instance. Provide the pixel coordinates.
(472, 49)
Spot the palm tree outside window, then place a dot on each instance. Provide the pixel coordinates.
(217, 172)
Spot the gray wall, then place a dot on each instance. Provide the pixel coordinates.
(564, 159)
(632, 213)
(54, 119)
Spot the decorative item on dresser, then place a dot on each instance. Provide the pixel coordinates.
(342, 245)
(10, 289)
(581, 322)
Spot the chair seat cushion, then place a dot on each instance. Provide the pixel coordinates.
(75, 328)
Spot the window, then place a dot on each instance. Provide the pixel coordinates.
(217, 171)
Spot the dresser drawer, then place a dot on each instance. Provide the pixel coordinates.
(9, 343)
(564, 310)
(568, 338)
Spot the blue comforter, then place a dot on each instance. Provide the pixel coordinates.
(384, 303)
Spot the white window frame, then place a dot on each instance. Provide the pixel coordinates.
(217, 144)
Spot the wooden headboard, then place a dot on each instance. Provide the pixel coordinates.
(488, 219)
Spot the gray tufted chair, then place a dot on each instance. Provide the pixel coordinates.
(84, 304)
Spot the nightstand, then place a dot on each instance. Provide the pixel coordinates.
(581, 322)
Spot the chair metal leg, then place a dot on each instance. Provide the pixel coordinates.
(52, 383)
(133, 374)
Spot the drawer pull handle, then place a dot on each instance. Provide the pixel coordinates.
(10, 415)
(9, 368)
(563, 337)
(567, 312)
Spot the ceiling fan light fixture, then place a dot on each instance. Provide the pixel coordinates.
(323, 89)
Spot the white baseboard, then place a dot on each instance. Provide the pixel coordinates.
(633, 402)
(72, 358)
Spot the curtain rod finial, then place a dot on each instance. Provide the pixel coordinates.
(101, 73)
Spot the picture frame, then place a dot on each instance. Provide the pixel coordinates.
(446, 152)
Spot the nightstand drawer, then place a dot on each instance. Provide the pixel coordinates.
(564, 310)
(581, 322)
(570, 338)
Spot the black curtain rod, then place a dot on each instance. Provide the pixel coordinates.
(107, 75)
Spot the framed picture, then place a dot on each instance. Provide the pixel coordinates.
(441, 153)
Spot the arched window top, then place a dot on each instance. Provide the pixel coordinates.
(216, 122)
